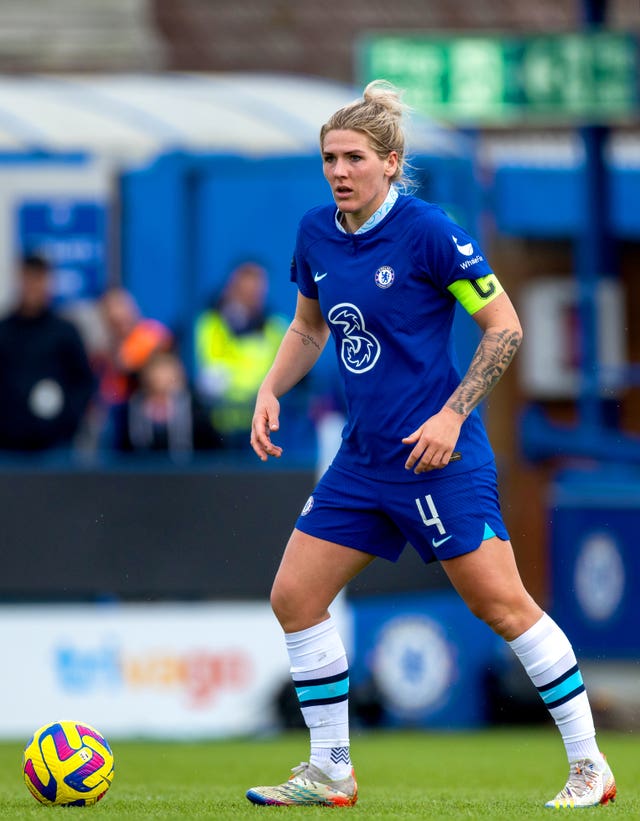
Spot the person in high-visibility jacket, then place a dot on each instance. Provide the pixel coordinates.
(235, 343)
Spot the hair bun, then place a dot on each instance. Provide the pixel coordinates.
(386, 95)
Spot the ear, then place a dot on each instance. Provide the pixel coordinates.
(391, 164)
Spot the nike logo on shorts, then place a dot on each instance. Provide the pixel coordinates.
(438, 542)
(318, 276)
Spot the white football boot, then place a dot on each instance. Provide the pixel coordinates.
(590, 783)
(308, 785)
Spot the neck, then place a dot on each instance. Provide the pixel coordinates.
(31, 311)
(347, 225)
(351, 222)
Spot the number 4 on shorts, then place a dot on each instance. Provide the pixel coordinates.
(435, 518)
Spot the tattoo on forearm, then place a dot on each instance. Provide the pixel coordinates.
(490, 361)
(306, 338)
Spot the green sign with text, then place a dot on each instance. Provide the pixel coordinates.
(586, 77)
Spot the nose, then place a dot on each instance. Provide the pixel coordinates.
(339, 168)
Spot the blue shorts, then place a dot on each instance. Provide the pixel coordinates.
(441, 517)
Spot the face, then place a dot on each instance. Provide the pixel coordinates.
(35, 290)
(120, 312)
(358, 177)
(163, 376)
(248, 287)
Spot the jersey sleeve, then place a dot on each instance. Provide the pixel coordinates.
(300, 271)
(450, 253)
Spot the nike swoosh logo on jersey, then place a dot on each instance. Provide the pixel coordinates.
(438, 542)
(317, 276)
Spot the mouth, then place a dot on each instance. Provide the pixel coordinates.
(342, 191)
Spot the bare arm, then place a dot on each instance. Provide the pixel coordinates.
(502, 335)
(435, 440)
(299, 350)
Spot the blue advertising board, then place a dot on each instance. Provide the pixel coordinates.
(72, 236)
(426, 657)
(595, 563)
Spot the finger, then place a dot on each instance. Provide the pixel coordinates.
(260, 436)
(436, 460)
(263, 425)
(258, 447)
(272, 418)
(264, 447)
(412, 437)
(423, 467)
(260, 432)
(271, 448)
(272, 426)
(416, 455)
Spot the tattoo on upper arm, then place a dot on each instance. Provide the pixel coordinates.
(490, 361)
(307, 339)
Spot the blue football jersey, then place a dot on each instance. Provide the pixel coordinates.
(383, 294)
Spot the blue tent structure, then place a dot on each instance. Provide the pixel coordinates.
(201, 171)
(129, 116)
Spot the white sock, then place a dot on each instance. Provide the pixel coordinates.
(321, 677)
(547, 656)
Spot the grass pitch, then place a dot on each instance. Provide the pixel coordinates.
(496, 774)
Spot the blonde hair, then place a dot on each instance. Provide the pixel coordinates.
(378, 115)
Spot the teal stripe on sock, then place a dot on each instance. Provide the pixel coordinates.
(322, 691)
(563, 689)
(488, 532)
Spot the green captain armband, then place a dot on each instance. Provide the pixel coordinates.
(474, 294)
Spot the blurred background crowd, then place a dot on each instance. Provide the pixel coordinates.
(122, 386)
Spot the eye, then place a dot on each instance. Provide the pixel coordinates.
(356, 157)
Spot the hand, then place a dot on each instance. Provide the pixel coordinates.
(265, 422)
(434, 441)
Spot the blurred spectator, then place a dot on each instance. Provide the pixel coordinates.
(131, 339)
(46, 381)
(163, 415)
(235, 342)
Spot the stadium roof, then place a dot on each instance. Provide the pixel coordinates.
(133, 116)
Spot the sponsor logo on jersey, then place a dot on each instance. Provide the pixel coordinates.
(384, 276)
(466, 250)
(469, 262)
(359, 348)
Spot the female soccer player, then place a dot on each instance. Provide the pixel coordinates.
(382, 274)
